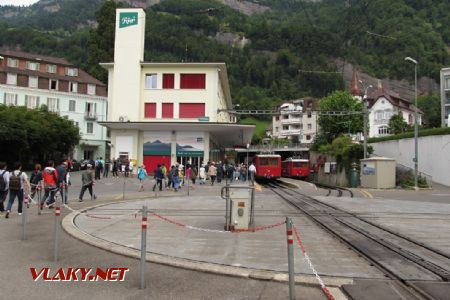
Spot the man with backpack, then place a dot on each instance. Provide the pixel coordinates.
(62, 180)
(18, 180)
(4, 185)
(50, 176)
(158, 178)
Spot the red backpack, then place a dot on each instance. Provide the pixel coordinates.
(50, 177)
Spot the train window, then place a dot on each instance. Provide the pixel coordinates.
(273, 161)
(299, 164)
(263, 161)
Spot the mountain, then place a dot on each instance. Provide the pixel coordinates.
(274, 49)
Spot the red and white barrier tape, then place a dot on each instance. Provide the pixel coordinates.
(214, 230)
(311, 266)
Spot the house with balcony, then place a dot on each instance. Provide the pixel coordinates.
(163, 113)
(33, 80)
(445, 97)
(296, 121)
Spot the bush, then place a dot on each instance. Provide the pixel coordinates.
(410, 134)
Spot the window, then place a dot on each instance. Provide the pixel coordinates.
(71, 71)
(277, 118)
(33, 81)
(168, 81)
(11, 79)
(309, 126)
(72, 105)
(410, 119)
(285, 127)
(308, 137)
(268, 161)
(53, 104)
(108, 132)
(10, 99)
(53, 84)
(91, 110)
(76, 124)
(192, 110)
(51, 69)
(31, 101)
(447, 83)
(89, 127)
(91, 89)
(383, 130)
(73, 87)
(276, 129)
(286, 117)
(150, 110)
(167, 110)
(31, 65)
(151, 81)
(192, 81)
(309, 113)
(12, 62)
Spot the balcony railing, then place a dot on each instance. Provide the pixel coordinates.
(291, 121)
(90, 115)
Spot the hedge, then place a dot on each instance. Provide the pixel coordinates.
(410, 134)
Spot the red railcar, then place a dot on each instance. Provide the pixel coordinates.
(295, 167)
(268, 166)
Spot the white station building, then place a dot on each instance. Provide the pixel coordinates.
(166, 112)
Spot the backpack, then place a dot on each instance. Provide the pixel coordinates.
(14, 181)
(99, 165)
(2, 182)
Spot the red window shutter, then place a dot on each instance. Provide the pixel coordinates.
(192, 81)
(167, 110)
(168, 81)
(150, 110)
(192, 110)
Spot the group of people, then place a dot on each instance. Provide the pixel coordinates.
(102, 167)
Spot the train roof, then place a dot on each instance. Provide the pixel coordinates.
(297, 159)
(267, 155)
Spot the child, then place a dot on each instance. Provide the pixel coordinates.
(141, 176)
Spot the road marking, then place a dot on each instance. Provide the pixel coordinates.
(119, 196)
(366, 194)
(258, 187)
(312, 185)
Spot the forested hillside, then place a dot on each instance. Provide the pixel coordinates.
(269, 55)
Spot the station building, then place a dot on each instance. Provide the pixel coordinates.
(167, 112)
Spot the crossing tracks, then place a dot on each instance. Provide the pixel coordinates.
(415, 270)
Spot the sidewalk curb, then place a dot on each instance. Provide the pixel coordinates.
(70, 228)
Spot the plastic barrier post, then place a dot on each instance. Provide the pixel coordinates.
(290, 248)
(143, 244)
(24, 217)
(57, 224)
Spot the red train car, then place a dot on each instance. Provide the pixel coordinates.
(268, 166)
(295, 167)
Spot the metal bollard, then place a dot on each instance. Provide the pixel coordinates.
(123, 190)
(290, 248)
(143, 244)
(57, 224)
(188, 187)
(39, 194)
(24, 217)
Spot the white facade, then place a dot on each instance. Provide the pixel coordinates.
(445, 97)
(296, 121)
(166, 112)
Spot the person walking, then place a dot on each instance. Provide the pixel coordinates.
(18, 181)
(4, 185)
(192, 174)
(50, 176)
(212, 172)
(114, 168)
(219, 172)
(202, 174)
(164, 173)
(87, 182)
(142, 173)
(106, 168)
(170, 178)
(252, 171)
(62, 181)
(158, 178)
(35, 179)
(176, 178)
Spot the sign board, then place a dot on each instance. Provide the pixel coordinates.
(368, 168)
(327, 167)
(127, 19)
(204, 119)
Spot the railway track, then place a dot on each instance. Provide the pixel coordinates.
(415, 270)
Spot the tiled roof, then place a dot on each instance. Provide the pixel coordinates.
(394, 98)
(35, 57)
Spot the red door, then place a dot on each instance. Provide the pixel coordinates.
(152, 161)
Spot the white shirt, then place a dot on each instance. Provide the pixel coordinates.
(23, 177)
(252, 168)
(202, 172)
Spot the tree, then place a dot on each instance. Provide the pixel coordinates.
(398, 125)
(431, 108)
(334, 125)
(35, 134)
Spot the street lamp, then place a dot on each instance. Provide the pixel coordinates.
(416, 126)
(365, 118)
(248, 164)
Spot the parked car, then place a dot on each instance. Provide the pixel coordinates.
(76, 165)
(84, 163)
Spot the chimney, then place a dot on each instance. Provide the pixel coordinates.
(354, 86)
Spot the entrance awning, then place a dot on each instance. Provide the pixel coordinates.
(226, 134)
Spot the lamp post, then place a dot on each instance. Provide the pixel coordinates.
(248, 164)
(365, 119)
(416, 126)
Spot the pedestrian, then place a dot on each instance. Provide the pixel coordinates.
(50, 176)
(176, 178)
(35, 179)
(87, 182)
(142, 173)
(4, 185)
(127, 168)
(164, 173)
(212, 172)
(252, 171)
(18, 181)
(193, 174)
(181, 174)
(170, 178)
(130, 167)
(114, 168)
(62, 181)
(107, 168)
(219, 172)
(158, 178)
(202, 174)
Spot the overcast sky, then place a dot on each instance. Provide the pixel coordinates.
(17, 2)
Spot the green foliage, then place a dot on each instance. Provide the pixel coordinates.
(431, 108)
(35, 134)
(334, 125)
(260, 130)
(398, 125)
(410, 134)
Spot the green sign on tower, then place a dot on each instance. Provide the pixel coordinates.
(128, 19)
